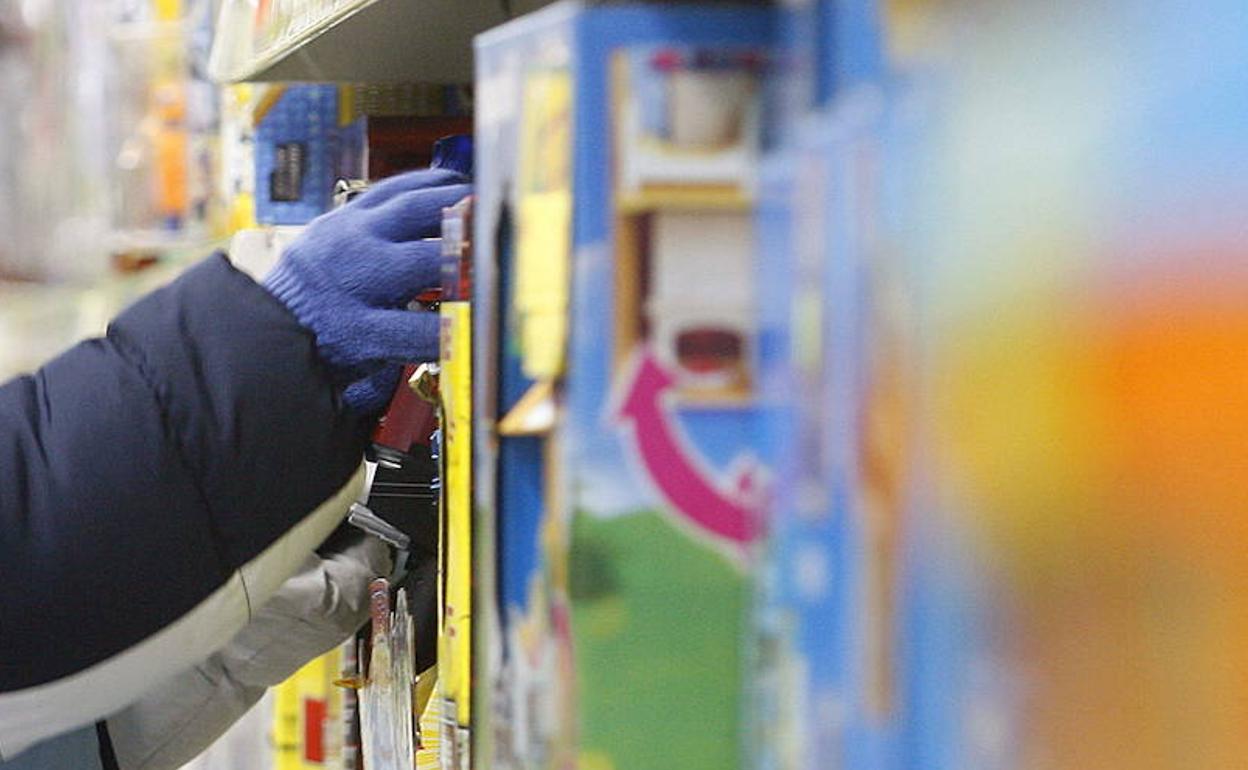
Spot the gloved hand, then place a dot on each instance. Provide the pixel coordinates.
(349, 275)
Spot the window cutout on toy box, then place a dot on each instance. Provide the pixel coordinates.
(544, 224)
(685, 123)
(286, 180)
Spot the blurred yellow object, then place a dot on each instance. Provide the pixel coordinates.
(428, 756)
(544, 226)
(307, 724)
(168, 10)
(242, 212)
(455, 630)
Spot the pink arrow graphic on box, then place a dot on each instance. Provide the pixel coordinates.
(669, 460)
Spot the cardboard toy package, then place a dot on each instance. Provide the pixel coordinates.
(616, 482)
(870, 648)
(298, 135)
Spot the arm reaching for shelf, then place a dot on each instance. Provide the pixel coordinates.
(158, 485)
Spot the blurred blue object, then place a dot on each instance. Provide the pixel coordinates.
(454, 153)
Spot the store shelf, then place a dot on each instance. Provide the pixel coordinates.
(375, 41)
(37, 321)
(685, 198)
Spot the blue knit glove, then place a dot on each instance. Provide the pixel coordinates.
(348, 277)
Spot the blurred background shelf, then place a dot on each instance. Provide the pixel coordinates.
(39, 320)
(376, 41)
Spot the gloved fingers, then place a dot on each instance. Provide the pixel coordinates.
(408, 269)
(394, 336)
(409, 216)
(386, 189)
(370, 396)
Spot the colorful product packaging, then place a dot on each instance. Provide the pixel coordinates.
(617, 485)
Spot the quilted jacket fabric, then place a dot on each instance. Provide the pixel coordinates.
(157, 486)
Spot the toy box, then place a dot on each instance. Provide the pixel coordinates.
(822, 49)
(869, 650)
(396, 125)
(297, 141)
(616, 481)
(829, 662)
(872, 622)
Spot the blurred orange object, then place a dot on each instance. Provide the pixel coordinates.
(170, 146)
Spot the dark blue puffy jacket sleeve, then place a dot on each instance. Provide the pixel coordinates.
(141, 471)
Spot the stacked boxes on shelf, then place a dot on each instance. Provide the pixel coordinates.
(308, 136)
(400, 123)
(719, 509)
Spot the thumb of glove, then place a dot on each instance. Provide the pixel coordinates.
(370, 396)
